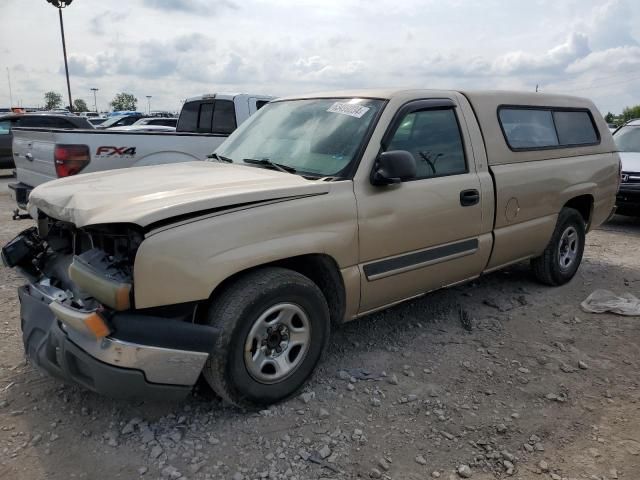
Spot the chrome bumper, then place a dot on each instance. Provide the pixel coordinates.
(159, 365)
(142, 356)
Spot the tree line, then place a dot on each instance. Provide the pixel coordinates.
(122, 101)
(629, 113)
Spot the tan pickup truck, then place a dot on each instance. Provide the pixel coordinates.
(316, 211)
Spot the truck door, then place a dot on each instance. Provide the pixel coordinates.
(424, 233)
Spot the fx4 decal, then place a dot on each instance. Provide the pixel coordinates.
(111, 151)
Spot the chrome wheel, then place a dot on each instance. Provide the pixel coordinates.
(568, 248)
(277, 343)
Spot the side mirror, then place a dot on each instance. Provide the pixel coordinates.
(394, 166)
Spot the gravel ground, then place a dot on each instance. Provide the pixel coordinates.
(498, 378)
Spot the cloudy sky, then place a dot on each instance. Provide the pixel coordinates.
(173, 49)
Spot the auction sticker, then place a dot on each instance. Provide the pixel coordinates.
(351, 109)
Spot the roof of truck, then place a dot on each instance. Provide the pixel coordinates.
(532, 98)
(485, 105)
(225, 96)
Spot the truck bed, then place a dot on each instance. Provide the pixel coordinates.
(33, 150)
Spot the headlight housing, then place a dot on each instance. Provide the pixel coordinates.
(97, 274)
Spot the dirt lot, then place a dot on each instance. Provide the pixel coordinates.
(521, 384)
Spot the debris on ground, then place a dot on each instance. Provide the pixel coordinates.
(601, 301)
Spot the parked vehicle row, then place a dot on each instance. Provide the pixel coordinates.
(45, 154)
(316, 211)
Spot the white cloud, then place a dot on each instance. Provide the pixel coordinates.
(199, 7)
(611, 24)
(554, 60)
(618, 59)
(174, 49)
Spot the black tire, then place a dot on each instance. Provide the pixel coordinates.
(549, 268)
(237, 310)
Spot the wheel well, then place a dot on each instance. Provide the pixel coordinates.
(319, 268)
(584, 205)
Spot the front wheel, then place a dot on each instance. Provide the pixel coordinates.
(274, 325)
(560, 260)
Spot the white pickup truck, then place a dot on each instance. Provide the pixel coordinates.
(43, 154)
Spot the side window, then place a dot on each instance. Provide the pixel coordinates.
(433, 138)
(528, 128)
(166, 122)
(29, 122)
(126, 121)
(188, 121)
(206, 117)
(224, 117)
(574, 127)
(260, 104)
(59, 123)
(42, 121)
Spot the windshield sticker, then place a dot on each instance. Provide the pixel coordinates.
(350, 109)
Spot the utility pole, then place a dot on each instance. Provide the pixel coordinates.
(148, 104)
(10, 93)
(60, 4)
(95, 101)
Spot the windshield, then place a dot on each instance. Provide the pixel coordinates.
(113, 120)
(628, 139)
(317, 136)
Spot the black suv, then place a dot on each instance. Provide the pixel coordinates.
(43, 120)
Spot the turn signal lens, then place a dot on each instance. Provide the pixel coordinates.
(123, 298)
(97, 325)
(87, 323)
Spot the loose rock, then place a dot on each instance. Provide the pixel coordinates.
(324, 452)
(464, 471)
(544, 466)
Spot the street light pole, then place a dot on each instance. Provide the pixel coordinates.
(149, 104)
(95, 101)
(10, 93)
(60, 4)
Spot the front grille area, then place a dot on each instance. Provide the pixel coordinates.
(630, 178)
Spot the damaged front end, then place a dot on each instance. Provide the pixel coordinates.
(79, 320)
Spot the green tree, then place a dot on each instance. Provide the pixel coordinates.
(52, 100)
(609, 117)
(79, 105)
(630, 113)
(124, 101)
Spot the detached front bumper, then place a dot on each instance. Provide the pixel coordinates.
(144, 356)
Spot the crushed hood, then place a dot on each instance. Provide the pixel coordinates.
(145, 195)
(630, 161)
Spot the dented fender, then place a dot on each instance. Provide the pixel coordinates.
(187, 261)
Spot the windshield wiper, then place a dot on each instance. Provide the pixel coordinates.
(219, 158)
(268, 163)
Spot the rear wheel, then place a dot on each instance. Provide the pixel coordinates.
(274, 325)
(560, 260)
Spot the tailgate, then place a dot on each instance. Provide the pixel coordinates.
(33, 155)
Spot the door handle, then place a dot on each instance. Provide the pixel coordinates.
(469, 197)
(29, 157)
